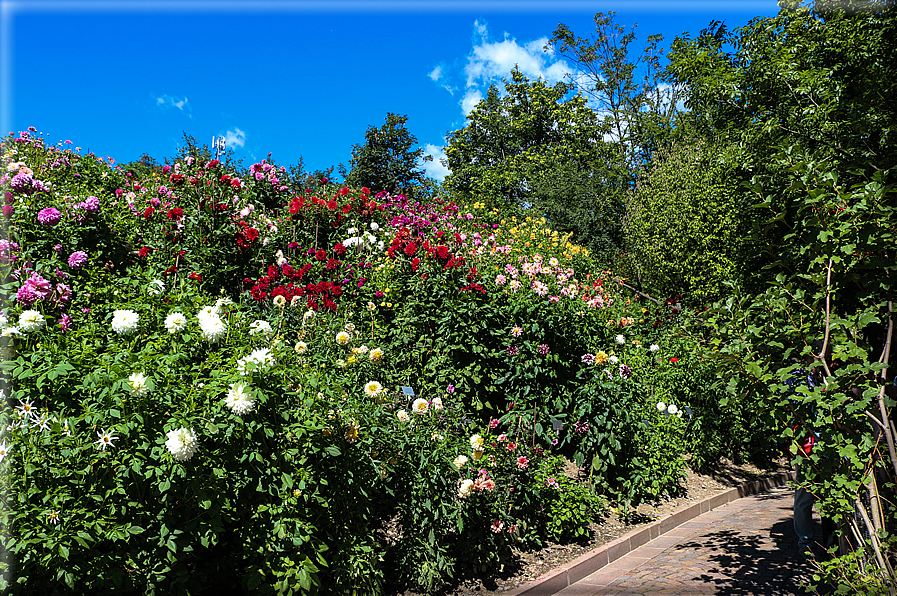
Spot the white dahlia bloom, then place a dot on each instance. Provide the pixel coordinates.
(476, 443)
(460, 461)
(466, 487)
(373, 389)
(260, 327)
(175, 322)
(420, 406)
(403, 416)
(137, 383)
(258, 361)
(181, 443)
(124, 322)
(212, 327)
(239, 399)
(29, 320)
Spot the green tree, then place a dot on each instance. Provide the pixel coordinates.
(633, 96)
(687, 225)
(537, 147)
(386, 161)
(805, 101)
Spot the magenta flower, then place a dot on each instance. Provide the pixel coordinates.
(543, 349)
(588, 359)
(49, 216)
(625, 371)
(77, 259)
(522, 462)
(65, 323)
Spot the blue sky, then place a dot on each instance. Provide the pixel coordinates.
(290, 77)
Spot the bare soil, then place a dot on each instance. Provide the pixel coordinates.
(530, 564)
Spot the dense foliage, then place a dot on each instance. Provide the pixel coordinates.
(343, 392)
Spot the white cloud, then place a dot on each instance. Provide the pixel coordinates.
(435, 169)
(235, 138)
(436, 73)
(172, 102)
(470, 101)
(490, 61)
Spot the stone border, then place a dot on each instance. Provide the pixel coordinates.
(587, 563)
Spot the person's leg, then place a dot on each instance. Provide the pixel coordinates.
(803, 515)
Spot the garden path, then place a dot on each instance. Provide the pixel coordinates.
(745, 547)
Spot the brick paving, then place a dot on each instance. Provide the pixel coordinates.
(746, 547)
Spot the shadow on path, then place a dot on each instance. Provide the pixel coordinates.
(740, 563)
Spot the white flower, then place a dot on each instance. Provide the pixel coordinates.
(437, 437)
(208, 311)
(309, 314)
(258, 360)
(3, 450)
(10, 332)
(3, 319)
(374, 226)
(350, 328)
(466, 487)
(620, 339)
(376, 355)
(124, 322)
(301, 347)
(460, 461)
(420, 406)
(181, 443)
(105, 440)
(138, 385)
(672, 409)
(661, 406)
(342, 338)
(258, 327)
(280, 301)
(239, 399)
(212, 327)
(373, 389)
(613, 360)
(225, 301)
(437, 404)
(654, 347)
(29, 320)
(476, 443)
(352, 231)
(402, 415)
(26, 410)
(175, 322)
(53, 517)
(156, 287)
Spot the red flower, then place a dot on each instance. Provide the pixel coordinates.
(443, 252)
(674, 359)
(176, 213)
(170, 270)
(344, 191)
(148, 213)
(321, 255)
(195, 276)
(365, 190)
(415, 264)
(176, 179)
(146, 250)
(331, 204)
(339, 249)
(410, 249)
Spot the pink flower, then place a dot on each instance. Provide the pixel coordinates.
(493, 423)
(522, 462)
(502, 438)
(497, 526)
(77, 259)
(588, 359)
(543, 349)
(49, 216)
(512, 446)
(516, 331)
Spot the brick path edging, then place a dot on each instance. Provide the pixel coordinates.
(587, 563)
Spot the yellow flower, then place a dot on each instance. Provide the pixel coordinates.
(601, 357)
(342, 338)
